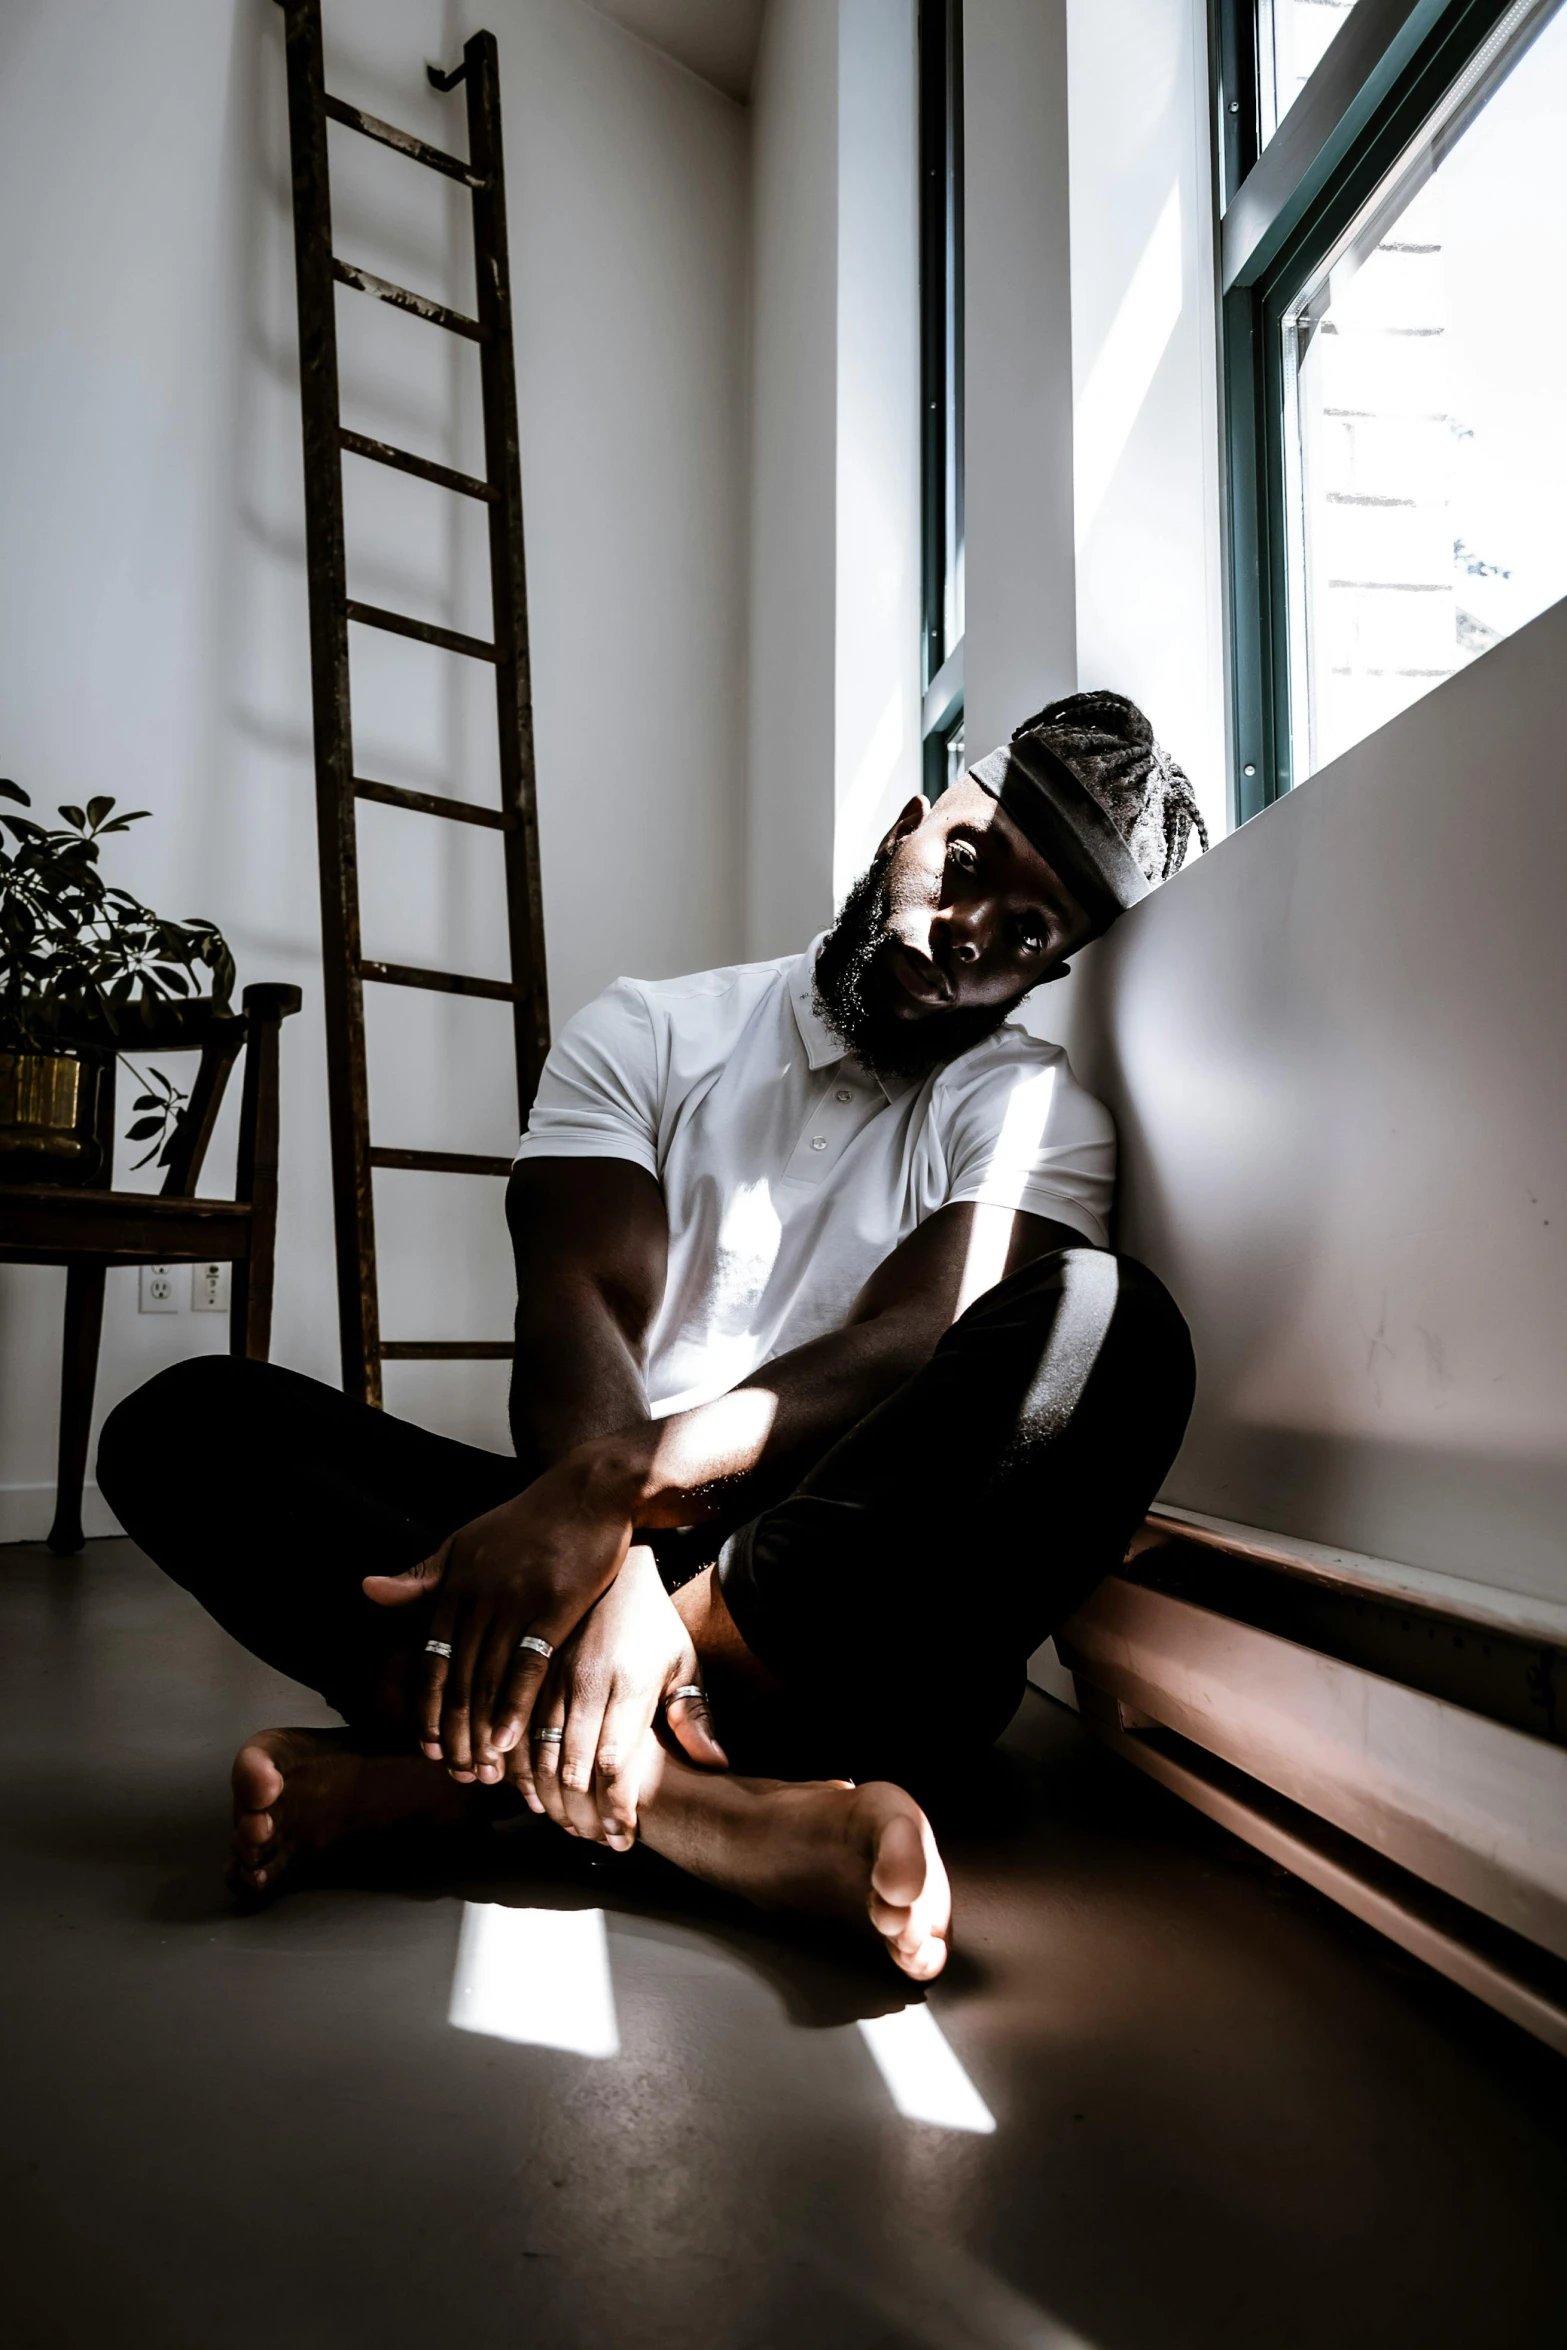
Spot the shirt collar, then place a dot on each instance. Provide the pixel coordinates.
(824, 1047)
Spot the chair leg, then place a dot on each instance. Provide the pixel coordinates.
(250, 1312)
(78, 1379)
(250, 1322)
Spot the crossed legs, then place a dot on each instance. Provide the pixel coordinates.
(874, 1627)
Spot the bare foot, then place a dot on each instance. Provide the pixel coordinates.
(824, 1847)
(299, 1792)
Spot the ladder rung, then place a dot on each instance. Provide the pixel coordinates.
(381, 289)
(405, 462)
(441, 1162)
(404, 141)
(501, 991)
(429, 803)
(446, 1350)
(426, 632)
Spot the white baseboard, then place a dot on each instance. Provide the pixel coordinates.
(27, 1513)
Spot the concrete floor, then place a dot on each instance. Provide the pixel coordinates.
(1225, 2114)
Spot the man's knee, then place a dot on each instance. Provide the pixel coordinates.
(1088, 1324)
(180, 1411)
(1149, 1310)
(1095, 1285)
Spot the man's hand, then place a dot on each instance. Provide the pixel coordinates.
(534, 1567)
(627, 1657)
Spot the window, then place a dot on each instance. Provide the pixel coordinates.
(1292, 40)
(1394, 356)
(941, 388)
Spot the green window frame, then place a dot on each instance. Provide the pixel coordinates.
(1282, 208)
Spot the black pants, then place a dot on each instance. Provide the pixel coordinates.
(898, 1591)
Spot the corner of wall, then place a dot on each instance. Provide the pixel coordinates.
(1021, 638)
(793, 585)
(877, 682)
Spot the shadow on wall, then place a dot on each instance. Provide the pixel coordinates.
(1332, 1047)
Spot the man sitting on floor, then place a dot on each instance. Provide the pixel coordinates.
(829, 1400)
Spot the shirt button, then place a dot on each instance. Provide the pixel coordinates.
(843, 1094)
(818, 1142)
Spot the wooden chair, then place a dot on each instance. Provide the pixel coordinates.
(89, 1229)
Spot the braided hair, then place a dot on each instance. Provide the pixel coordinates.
(1109, 746)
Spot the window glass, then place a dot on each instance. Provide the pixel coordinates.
(1425, 450)
(1292, 38)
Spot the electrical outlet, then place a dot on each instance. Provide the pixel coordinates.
(209, 1289)
(156, 1293)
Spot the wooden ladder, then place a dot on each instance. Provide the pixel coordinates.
(318, 272)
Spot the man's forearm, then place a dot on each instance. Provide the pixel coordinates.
(579, 1397)
(727, 1458)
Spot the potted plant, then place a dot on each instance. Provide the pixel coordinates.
(82, 967)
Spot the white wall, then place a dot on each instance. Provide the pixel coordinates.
(1334, 1052)
(794, 427)
(152, 608)
(835, 549)
(1021, 634)
(1146, 443)
(876, 686)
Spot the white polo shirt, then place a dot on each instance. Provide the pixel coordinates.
(789, 1171)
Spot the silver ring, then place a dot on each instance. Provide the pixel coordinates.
(539, 1647)
(548, 1737)
(688, 1689)
(437, 1648)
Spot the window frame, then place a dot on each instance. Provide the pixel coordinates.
(1281, 210)
(940, 130)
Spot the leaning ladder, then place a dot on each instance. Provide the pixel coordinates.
(318, 272)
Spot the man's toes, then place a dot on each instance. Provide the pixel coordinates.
(913, 1941)
(910, 1903)
(257, 1780)
(257, 1863)
(898, 1869)
(923, 1964)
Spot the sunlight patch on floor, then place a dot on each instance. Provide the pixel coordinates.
(537, 1976)
(922, 2072)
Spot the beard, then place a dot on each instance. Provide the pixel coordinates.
(853, 984)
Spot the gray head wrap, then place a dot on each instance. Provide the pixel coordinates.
(1086, 783)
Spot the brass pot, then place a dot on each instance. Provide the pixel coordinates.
(46, 1118)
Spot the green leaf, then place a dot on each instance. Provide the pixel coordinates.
(13, 791)
(76, 817)
(142, 1128)
(148, 1101)
(97, 810)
